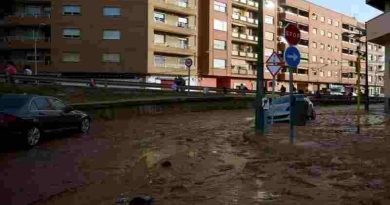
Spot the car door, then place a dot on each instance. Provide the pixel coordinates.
(66, 120)
(42, 111)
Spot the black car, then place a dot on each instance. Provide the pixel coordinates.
(29, 116)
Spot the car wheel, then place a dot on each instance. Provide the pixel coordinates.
(85, 125)
(33, 136)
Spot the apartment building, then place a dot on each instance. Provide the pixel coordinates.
(378, 32)
(151, 37)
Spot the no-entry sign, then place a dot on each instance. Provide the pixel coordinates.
(292, 34)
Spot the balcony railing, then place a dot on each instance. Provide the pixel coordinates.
(176, 3)
(40, 15)
(248, 2)
(171, 65)
(245, 19)
(24, 38)
(174, 45)
(176, 24)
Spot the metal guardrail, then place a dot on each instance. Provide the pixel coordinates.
(100, 83)
(136, 85)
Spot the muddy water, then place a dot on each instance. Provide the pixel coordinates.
(211, 161)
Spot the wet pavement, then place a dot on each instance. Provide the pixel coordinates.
(206, 158)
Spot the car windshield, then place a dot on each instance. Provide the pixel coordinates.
(12, 102)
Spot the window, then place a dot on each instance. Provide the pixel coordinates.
(321, 60)
(182, 22)
(111, 58)
(322, 73)
(159, 38)
(269, 19)
(71, 10)
(329, 62)
(57, 104)
(330, 21)
(314, 58)
(322, 46)
(329, 73)
(322, 19)
(72, 33)
(322, 33)
(375, 48)
(159, 61)
(268, 52)
(111, 35)
(336, 23)
(336, 49)
(159, 17)
(314, 44)
(218, 6)
(314, 16)
(269, 36)
(369, 46)
(220, 25)
(71, 57)
(42, 104)
(336, 62)
(314, 31)
(219, 63)
(329, 34)
(218, 44)
(330, 48)
(336, 36)
(111, 11)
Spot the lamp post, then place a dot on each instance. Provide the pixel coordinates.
(35, 48)
(259, 115)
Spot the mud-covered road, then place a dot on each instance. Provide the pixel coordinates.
(213, 159)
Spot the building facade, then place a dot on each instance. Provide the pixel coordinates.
(152, 39)
(378, 33)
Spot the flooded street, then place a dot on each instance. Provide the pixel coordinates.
(206, 158)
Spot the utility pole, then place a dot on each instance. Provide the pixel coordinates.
(259, 116)
(359, 94)
(367, 93)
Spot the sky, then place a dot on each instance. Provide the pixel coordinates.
(355, 8)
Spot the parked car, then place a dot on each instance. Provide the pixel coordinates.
(281, 108)
(27, 117)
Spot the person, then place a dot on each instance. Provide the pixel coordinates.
(10, 72)
(242, 89)
(350, 98)
(182, 84)
(318, 94)
(224, 90)
(27, 70)
(283, 90)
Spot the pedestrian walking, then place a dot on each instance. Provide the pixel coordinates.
(27, 70)
(283, 90)
(10, 72)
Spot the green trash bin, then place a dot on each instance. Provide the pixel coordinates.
(299, 110)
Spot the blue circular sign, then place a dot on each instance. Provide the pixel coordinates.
(292, 56)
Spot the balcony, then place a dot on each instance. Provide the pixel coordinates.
(21, 42)
(27, 20)
(296, 77)
(250, 56)
(248, 4)
(376, 32)
(175, 27)
(172, 68)
(244, 72)
(176, 6)
(175, 48)
(245, 20)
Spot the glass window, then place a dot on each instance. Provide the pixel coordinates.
(314, 16)
(159, 17)
(57, 104)
(330, 21)
(221, 45)
(42, 104)
(314, 31)
(321, 60)
(71, 57)
(269, 36)
(219, 6)
(71, 10)
(182, 22)
(322, 19)
(322, 33)
(219, 63)
(159, 61)
(314, 58)
(112, 11)
(336, 23)
(111, 58)
(159, 38)
(269, 19)
(268, 52)
(336, 62)
(72, 33)
(329, 34)
(329, 73)
(314, 44)
(33, 11)
(111, 35)
(220, 25)
(322, 46)
(336, 36)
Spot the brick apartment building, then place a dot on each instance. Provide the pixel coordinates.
(152, 38)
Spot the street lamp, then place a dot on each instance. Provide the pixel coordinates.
(35, 48)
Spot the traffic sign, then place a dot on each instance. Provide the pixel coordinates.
(292, 34)
(274, 64)
(292, 56)
(188, 62)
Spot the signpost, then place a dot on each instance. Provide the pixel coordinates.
(274, 64)
(189, 63)
(292, 57)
